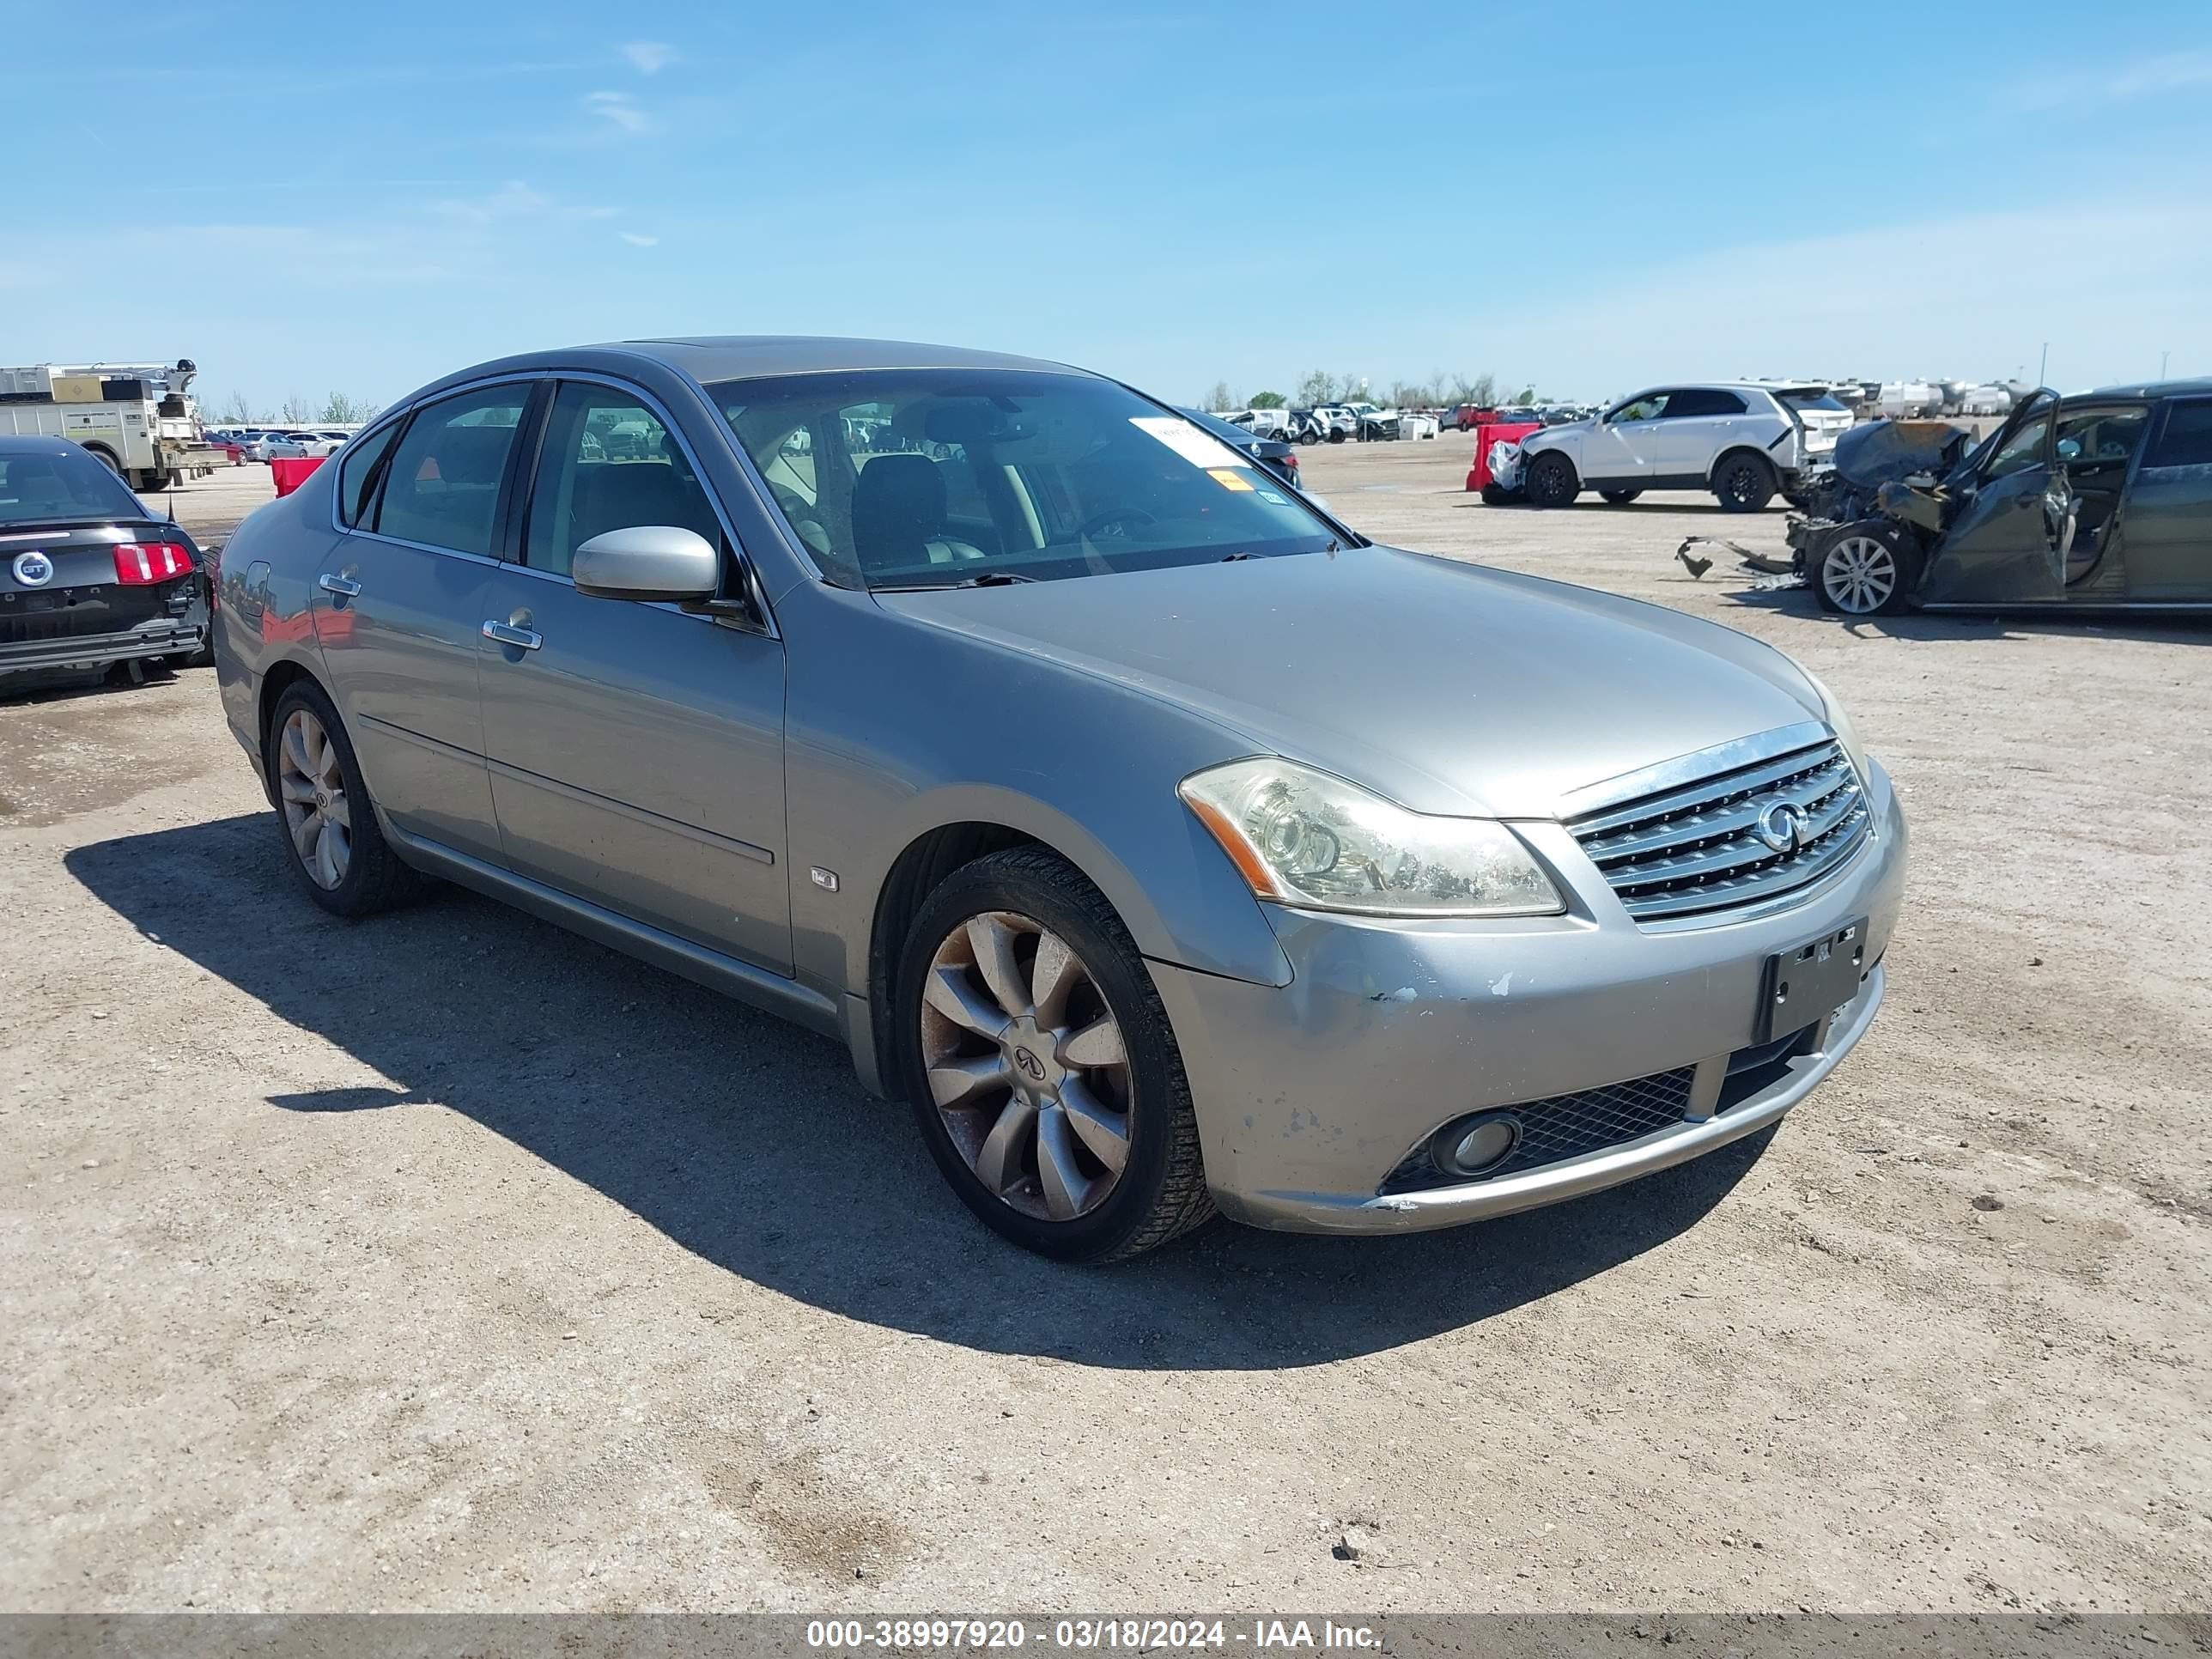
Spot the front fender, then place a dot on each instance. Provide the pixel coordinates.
(903, 728)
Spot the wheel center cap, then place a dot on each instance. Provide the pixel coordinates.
(1030, 1055)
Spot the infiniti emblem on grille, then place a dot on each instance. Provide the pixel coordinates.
(34, 570)
(1782, 826)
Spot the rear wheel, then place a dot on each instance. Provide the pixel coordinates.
(332, 839)
(1864, 572)
(1551, 481)
(1619, 497)
(108, 461)
(1041, 1064)
(1744, 484)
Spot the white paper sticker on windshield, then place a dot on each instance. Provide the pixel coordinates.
(1200, 449)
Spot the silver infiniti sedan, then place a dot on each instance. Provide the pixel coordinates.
(1170, 846)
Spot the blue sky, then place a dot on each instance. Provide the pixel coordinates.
(365, 197)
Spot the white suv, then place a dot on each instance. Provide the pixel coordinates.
(1743, 440)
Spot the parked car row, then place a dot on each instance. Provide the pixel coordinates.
(267, 443)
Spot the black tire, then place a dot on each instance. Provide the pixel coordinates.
(1618, 497)
(1162, 1192)
(107, 461)
(1309, 436)
(1826, 564)
(375, 880)
(1495, 494)
(1550, 481)
(1744, 484)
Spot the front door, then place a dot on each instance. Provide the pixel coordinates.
(1623, 448)
(398, 601)
(636, 749)
(2169, 511)
(2003, 545)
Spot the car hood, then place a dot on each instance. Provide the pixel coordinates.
(1445, 686)
(1566, 429)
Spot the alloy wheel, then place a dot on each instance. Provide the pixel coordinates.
(1860, 573)
(311, 787)
(1025, 1063)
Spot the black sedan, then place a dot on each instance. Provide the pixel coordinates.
(88, 578)
(2098, 501)
(1276, 456)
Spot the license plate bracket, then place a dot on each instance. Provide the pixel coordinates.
(1812, 981)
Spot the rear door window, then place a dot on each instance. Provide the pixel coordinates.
(2185, 438)
(445, 474)
(1694, 401)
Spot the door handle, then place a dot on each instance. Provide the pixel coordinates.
(344, 587)
(508, 634)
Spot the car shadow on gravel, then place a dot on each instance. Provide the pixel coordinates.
(747, 1141)
(1982, 625)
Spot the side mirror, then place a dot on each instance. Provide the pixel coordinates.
(647, 561)
(2068, 450)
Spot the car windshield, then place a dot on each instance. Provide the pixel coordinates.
(1825, 400)
(69, 488)
(932, 477)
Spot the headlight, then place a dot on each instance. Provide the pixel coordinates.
(1308, 839)
(1840, 723)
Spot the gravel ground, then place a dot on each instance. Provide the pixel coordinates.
(447, 1262)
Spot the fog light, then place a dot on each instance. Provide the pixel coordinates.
(1477, 1146)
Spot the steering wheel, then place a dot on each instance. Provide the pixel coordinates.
(1122, 515)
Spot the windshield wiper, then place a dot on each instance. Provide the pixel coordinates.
(989, 578)
(1231, 558)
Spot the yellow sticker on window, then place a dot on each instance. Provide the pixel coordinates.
(1228, 480)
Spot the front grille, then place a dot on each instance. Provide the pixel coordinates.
(1692, 849)
(1567, 1126)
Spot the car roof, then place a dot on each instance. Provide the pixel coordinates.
(709, 358)
(752, 356)
(2196, 388)
(37, 444)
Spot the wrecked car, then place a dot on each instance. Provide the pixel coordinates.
(2101, 500)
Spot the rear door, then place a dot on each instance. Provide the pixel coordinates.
(1699, 422)
(636, 749)
(2169, 511)
(398, 601)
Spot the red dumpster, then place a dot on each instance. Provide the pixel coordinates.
(1507, 431)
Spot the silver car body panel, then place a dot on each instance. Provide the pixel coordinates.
(660, 788)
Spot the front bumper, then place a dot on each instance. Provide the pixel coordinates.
(1309, 1096)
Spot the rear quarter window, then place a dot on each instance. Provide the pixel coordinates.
(362, 471)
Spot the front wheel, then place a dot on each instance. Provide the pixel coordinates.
(1550, 481)
(1041, 1064)
(1864, 573)
(332, 842)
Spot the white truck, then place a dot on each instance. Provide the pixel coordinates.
(138, 419)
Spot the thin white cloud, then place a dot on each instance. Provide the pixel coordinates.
(636, 241)
(2188, 70)
(648, 57)
(617, 109)
(515, 200)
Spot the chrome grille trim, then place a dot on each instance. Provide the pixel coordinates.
(1687, 850)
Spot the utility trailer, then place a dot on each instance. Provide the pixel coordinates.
(139, 419)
